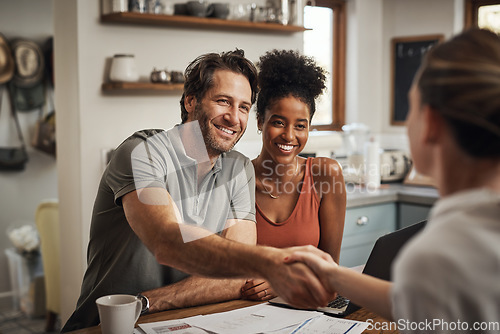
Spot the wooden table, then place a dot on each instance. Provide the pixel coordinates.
(360, 315)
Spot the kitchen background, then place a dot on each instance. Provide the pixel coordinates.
(90, 122)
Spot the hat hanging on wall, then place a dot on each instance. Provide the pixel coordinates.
(6, 61)
(30, 63)
(27, 85)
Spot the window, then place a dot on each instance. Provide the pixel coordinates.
(326, 43)
(483, 14)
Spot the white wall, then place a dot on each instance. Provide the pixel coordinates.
(364, 62)
(403, 18)
(21, 192)
(371, 26)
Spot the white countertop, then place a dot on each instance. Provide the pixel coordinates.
(391, 192)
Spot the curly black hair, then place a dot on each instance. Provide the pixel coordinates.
(285, 73)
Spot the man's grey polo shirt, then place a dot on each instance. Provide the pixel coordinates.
(160, 160)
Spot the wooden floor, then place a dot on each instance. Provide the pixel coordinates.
(16, 322)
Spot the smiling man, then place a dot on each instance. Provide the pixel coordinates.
(223, 113)
(183, 199)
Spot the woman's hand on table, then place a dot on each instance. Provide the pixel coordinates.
(257, 289)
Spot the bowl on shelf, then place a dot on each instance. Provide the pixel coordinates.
(160, 76)
(176, 77)
(180, 9)
(199, 8)
(219, 10)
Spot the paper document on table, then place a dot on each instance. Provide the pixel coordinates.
(171, 327)
(286, 330)
(329, 325)
(262, 318)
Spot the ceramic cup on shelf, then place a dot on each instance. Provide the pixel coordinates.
(240, 12)
(138, 6)
(260, 14)
(160, 76)
(176, 77)
(180, 9)
(199, 8)
(114, 6)
(153, 6)
(296, 11)
(167, 7)
(123, 68)
(118, 313)
(219, 10)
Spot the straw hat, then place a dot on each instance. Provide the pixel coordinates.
(6, 61)
(30, 64)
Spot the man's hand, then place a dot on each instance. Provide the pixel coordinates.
(322, 265)
(298, 284)
(349, 283)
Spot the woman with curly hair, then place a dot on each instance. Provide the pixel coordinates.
(298, 201)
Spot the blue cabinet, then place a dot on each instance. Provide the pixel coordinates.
(363, 226)
(409, 214)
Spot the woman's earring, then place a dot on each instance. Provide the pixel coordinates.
(259, 131)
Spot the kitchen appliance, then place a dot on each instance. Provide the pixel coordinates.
(394, 165)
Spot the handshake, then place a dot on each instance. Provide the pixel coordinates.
(302, 278)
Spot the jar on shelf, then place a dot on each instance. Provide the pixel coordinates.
(114, 6)
(138, 6)
(123, 68)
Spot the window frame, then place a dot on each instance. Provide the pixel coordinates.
(472, 9)
(338, 63)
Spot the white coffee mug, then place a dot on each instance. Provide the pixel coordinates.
(118, 313)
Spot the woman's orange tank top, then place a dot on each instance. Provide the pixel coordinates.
(301, 227)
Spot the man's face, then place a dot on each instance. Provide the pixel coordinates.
(223, 112)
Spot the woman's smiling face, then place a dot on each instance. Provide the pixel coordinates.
(285, 129)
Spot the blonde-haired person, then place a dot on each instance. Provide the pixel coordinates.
(448, 275)
(298, 201)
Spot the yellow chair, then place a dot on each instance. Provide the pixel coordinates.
(47, 223)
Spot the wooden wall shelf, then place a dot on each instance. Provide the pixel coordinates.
(141, 87)
(182, 22)
(197, 22)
